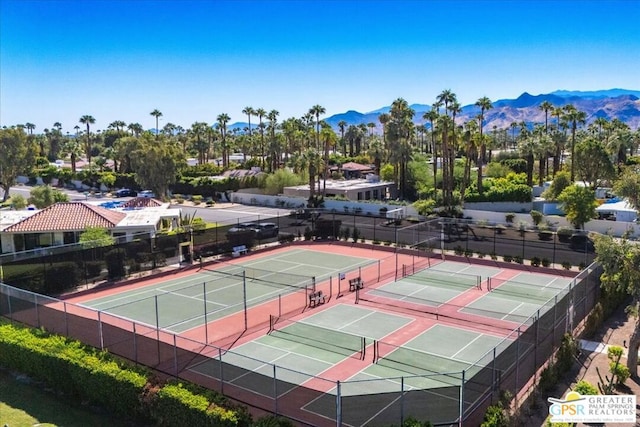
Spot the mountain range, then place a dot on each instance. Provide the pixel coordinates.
(621, 104)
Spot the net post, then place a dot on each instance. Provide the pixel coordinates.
(157, 327)
(313, 283)
(378, 270)
(461, 397)
(244, 299)
(357, 295)
(363, 350)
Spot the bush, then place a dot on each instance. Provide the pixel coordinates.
(286, 237)
(536, 217)
(585, 388)
(458, 250)
(509, 218)
(61, 276)
(564, 234)
(545, 235)
(535, 261)
(566, 265)
(507, 258)
(620, 371)
(545, 262)
(517, 259)
(94, 268)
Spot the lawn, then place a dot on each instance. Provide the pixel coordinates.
(23, 403)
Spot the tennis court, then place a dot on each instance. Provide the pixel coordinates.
(518, 297)
(223, 289)
(424, 336)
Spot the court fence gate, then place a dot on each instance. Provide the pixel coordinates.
(461, 399)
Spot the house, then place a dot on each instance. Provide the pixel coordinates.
(352, 170)
(62, 223)
(617, 211)
(354, 189)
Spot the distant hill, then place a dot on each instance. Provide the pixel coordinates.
(611, 104)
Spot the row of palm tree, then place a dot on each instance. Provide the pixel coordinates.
(309, 138)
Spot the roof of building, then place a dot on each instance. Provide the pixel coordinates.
(352, 166)
(71, 216)
(141, 202)
(9, 218)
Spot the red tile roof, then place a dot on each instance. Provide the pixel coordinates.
(73, 216)
(142, 202)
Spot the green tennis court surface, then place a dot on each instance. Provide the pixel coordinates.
(180, 304)
(520, 297)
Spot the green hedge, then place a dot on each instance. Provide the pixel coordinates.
(84, 373)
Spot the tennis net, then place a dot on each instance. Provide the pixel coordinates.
(432, 277)
(281, 280)
(416, 362)
(318, 337)
(525, 291)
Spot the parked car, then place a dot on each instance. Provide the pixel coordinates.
(265, 230)
(125, 192)
(243, 226)
(146, 193)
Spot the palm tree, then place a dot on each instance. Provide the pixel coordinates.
(197, 134)
(527, 148)
(312, 160)
(400, 133)
(272, 116)
(316, 110)
(249, 111)
(384, 118)
(342, 125)
(222, 120)
(88, 120)
(471, 152)
(261, 112)
(574, 117)
(156, 113)
(432, 116)
(485, 104)
(135, 128)
(446, 98)
(329, 139)
(546, 106)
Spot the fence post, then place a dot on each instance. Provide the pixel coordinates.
(206, 327)
(175, 355)
(275, 389)
(157, 327)
(66, 320)
(35, 301)
(135, 343)
(461, 397)
(338, 405)
(100, 331)
(402, 400)
(221, 370)
(244, 298)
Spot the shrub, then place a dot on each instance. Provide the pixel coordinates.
(517, 259)
(286, 237)
(566, 265)
(493, 256)
(564, 234)
(458, 250)
(308, 234)
(535, 261)
(536, 217)
(620, 371)
(94, 268)
(545, 235)
(545, 262)
(507, 258)
(585, 388)
(509, 218)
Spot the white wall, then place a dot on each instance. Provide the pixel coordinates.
(297, 202)
(615, 228)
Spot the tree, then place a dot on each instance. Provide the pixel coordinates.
(579, 204)
(275, 182)
(157, 114)
(44, 195)
(561, 181)
(574, 117)
(593, 163)
(400, 131)
(156, 165)
(261, 112)
(619, 260)
(316, 110)
(88, 121)
(546, 106)
(222, 120)
(95, 237)
(342, 126)
(17, 155)
(628, 186)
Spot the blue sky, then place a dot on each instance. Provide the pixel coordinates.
(192, 60)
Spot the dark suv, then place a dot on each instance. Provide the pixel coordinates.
(265, 230)
(125, 192)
